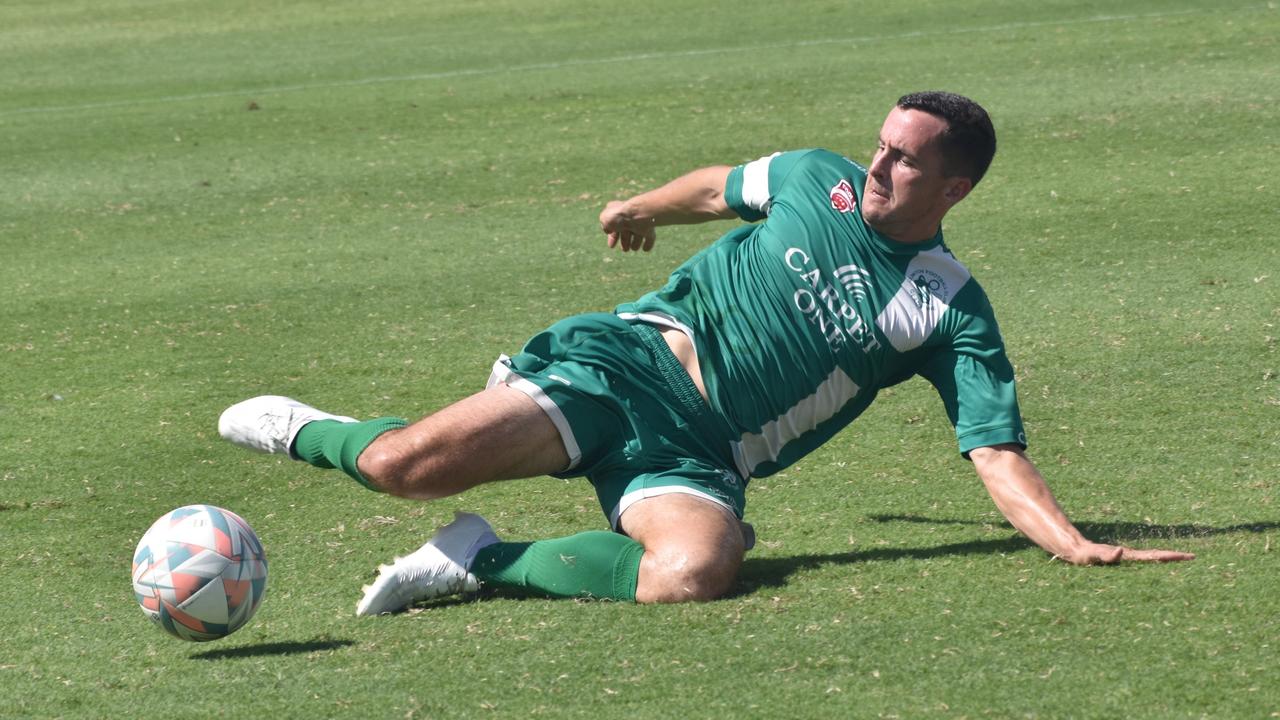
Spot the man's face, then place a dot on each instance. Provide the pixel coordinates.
(907, 190)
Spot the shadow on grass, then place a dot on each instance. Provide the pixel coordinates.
(277, 648)
(1112, 532)
(773, 572)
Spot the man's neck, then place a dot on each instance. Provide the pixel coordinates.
(915, 234)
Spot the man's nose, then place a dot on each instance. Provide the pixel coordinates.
(879, 166)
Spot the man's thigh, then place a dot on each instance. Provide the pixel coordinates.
(496, 434)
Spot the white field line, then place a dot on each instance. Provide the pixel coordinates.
(586, 62)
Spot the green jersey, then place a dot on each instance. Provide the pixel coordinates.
(800, 320)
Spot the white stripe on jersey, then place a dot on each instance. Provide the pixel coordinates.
(932, 281)
(827, 400)
(755, 183)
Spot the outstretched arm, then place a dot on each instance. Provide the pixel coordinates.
(693, 198)
(1021, 494)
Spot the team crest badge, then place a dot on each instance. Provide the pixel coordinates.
(842, 198)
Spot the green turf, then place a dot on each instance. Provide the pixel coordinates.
(361, 204)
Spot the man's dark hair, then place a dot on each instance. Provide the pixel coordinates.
(969, 142)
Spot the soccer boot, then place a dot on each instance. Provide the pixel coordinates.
(438, 568)
(269, 423)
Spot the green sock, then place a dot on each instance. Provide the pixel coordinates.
(336, 444)
(595, 564)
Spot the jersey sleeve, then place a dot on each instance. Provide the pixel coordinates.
(751, 187)
(974, 377)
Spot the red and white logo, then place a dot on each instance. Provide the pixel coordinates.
(842, 198)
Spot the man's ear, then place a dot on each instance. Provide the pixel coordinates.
(957, 189)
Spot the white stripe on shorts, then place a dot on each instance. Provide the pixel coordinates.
(502, 373)
(636, 496)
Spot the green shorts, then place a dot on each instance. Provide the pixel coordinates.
(630, 417)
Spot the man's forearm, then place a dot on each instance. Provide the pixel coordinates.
(1022, 495)
(692, 198)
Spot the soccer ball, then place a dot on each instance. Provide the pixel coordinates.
(199, 572)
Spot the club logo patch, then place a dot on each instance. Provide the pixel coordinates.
(928, 284)
(842, 199)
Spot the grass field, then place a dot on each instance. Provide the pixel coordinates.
(362, 204)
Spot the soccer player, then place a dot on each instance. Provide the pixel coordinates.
(758, 350)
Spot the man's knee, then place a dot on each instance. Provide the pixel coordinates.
(693, 548)
(393, 467)
(680, 574)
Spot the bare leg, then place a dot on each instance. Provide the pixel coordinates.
(692, 548)
(497, 434)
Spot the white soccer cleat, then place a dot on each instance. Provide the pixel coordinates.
(437, 569)
(269, 423)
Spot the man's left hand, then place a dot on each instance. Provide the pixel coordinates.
(1101, 554)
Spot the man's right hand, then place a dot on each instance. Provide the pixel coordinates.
(696, 197)
(624, 230)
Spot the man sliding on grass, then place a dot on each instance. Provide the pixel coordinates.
(757, 351)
